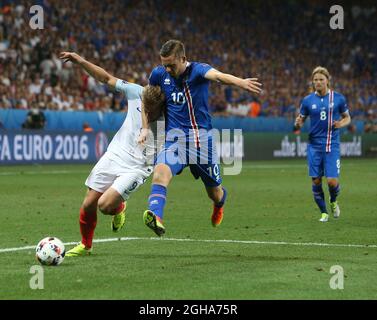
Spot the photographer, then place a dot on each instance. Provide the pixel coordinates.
(35, 119)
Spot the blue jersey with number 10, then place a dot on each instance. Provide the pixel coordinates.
(323, 111)
(186, 98)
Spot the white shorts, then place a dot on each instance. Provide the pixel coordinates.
(122, 177)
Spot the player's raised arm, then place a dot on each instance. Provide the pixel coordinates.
(249, 84)
(95, 71)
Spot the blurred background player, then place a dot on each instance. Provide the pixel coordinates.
(328, 112)
(185, 85)
(123, 168)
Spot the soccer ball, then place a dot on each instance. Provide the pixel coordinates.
(50, 251)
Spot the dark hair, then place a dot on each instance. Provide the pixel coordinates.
(170, 47)
(153, 102)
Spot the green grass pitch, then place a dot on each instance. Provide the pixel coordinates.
(270, 218)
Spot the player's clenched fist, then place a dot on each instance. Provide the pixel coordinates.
(299, 122)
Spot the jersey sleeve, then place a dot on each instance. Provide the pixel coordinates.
(202, 68)
(132, 91)
(154, 78)
(304, 110)
(343, 106)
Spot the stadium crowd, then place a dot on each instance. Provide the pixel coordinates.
(243, 38)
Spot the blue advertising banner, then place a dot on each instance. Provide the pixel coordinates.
(38, 146)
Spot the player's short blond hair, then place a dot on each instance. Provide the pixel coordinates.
(153, 99)
(324, 71)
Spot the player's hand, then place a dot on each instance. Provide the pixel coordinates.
(336, 124)
(143, 136)
(70, 56)
(299, 122)
(252, 85)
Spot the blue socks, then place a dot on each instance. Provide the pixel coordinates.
(319, 197)
(334, 192)
(157, 200)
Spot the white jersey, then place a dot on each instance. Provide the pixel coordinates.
(124, 146)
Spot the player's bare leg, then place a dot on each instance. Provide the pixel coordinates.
(111, 203)
(162, 175)
(334, 190)
(153, 217)
(218, 196)
(88, 222)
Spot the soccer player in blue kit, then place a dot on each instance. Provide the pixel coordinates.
(328, 112)
(185, 85)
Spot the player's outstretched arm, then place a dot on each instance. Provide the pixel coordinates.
(95, 71)
(249, 84)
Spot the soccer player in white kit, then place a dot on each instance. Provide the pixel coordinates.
(123, 168)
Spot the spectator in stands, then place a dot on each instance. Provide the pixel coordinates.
(254, 108)
(35, 119)
(279, 60)
(370, 125)
(86, 127)
(351, 128)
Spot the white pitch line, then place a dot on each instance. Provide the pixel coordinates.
(284, 243)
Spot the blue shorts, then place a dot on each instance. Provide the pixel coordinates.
(202, 161)
(322, 163)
